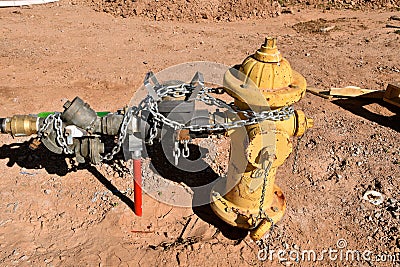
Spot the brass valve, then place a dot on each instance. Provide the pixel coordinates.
(20, 125)
(264, 81)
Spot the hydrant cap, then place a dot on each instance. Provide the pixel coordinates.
(268, 52)
(266, 68)
(270, 74)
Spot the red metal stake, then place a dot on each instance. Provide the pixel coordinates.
(137, 169)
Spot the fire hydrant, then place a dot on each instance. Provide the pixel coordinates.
(249, 197)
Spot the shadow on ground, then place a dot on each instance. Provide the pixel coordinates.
(357, 106)
(20, 154)
(195, 180)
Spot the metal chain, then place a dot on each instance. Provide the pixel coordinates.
(153, 129)
(153, 132)
(149, 104)
(57, 122)
(176, 153)
(266, 166)
(203, 96)
(185, 149)
(250, 116)
(47, 122)
(129, 113)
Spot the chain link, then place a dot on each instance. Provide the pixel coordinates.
(185, 149)
(176, 153)
(57, 122)
(129, 113)
(265, 176)
(60, 135)
(47, 122)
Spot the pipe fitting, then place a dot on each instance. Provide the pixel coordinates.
(20, 125)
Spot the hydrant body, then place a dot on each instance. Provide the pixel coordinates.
(249, 198)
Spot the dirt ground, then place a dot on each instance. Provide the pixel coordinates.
(51, 215)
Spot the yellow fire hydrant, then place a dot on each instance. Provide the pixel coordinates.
(249, 197)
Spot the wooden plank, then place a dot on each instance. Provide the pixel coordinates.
(319, 92)
(354, 91)
(392, 94)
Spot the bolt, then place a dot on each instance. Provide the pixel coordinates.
(67, 104)
(227, 209)
(270, 42)
(215, 194)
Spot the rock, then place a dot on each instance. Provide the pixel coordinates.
(48, 260)
(288, 10)
(23, 258)
(374, 197)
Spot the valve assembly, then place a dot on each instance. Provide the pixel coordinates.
(260, 123)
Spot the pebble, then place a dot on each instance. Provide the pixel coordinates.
(40, 250)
